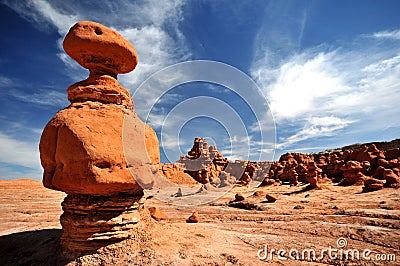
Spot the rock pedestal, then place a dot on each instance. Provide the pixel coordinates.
(82, 149)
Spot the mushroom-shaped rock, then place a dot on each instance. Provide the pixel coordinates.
(97, 150)
(100, 49)
(352, 174)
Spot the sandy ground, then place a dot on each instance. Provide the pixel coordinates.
(299, 221)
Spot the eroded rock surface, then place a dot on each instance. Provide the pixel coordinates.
(97, 148)
(362, 165)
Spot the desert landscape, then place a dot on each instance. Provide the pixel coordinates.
(228, 231)
(110, 195)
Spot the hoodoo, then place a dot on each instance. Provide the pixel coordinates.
(84, 148)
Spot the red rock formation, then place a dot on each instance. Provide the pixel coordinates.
(392, 179)
(372, 184)
(175, 173)
(347, 167)
(82, 149)
(313, 175)
(352, 173)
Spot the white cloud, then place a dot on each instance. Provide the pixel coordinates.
(42, 14)
(156, 50)
(62, 21)
(394, 34)
(17, 152)
(320, 91)
(315, 127)
(5, 82)
(43, 97)
(151, 26)
(301, 83)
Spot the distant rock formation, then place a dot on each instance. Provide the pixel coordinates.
(205, 164)
(82, 150)
(365, 166)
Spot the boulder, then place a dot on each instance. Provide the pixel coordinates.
(194, 218)
(100, 49)
(372, 184)
(392, 179)
(239, 197)
(157, 214)
(270, 198)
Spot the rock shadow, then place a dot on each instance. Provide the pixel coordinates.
(39, 247)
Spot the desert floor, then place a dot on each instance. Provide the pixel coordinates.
(299, 220)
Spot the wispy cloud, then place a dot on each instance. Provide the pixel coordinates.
(18, 152)
(281, 32)
(314, 128)
(323, 90)
(151, 26)
(43, 15)
(43, 97)
(394, 34)
(5, 82)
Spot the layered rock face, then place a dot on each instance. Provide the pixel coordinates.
(84, 148)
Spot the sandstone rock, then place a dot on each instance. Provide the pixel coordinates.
(157, 214)
(245, 179)
(97, 150)
(258, 193)
(227, 179)
(394, 163)
(301, 171)
(81, 155)
(239, 197)
(379, 173)
(392, 180)
(267, 182)
(270, 198)
(352, 174)
(392, 154)
(373, 148)
(372, 184)
(100, 49)
(348, 166)
(289, 174)
(194, 218)
(90, 222)
(179, 193)
(176, 174)
(384, 163)
(313, 175)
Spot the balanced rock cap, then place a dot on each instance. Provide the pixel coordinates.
(100, 49)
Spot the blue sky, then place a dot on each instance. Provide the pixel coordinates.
(330, 71)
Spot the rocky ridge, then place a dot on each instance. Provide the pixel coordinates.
(363, 165)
